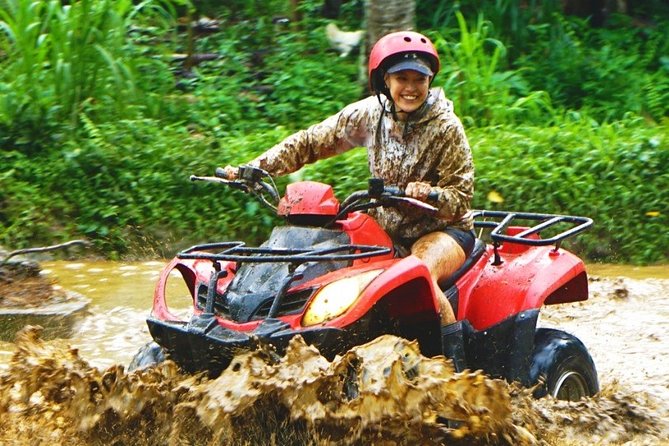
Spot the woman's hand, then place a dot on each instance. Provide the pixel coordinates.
(418, 190)
(231, 172)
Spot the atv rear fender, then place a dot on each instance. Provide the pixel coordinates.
(525, 279)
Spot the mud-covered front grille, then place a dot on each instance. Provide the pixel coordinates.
(292, 303)
(220, 306)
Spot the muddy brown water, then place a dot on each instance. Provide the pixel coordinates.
(76, 391)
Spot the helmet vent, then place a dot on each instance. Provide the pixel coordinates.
(423, 40)
(407, 39)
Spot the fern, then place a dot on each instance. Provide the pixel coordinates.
(94, 134)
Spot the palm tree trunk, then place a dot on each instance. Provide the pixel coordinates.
(383, 17)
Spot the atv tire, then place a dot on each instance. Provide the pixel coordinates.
(150, 354)
(563, 365)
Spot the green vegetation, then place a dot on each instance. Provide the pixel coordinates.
(100, 128)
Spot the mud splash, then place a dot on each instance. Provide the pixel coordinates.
(382, 393)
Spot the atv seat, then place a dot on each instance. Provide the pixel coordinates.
(474, 256)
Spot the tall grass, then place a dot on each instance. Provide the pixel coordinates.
(537, 49)
(119, 177)
(594, 69)
(60, 59)
(509, 18)
(475, 76)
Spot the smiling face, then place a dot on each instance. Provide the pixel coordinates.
(408, 89)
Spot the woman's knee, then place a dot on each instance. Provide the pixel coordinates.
(440, 252)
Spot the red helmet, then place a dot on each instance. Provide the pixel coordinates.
(396, 44)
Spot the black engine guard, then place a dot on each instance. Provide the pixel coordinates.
(503, 350)
(203, 345)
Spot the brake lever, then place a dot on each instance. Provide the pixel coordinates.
(266, 187)
(413, 202)
(211, 179)
(232, 183)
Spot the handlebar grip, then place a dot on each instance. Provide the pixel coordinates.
(394, 190)
(221, 173)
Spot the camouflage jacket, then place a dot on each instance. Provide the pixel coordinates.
(431, 147)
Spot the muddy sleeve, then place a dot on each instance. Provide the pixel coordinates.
(337, 134)
(456, 173)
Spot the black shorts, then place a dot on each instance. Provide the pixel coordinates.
(465, 239)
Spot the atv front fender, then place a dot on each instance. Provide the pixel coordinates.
(405, 289)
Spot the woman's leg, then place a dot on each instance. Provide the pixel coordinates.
(443, 256)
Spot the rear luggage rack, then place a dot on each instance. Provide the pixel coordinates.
(575, 224)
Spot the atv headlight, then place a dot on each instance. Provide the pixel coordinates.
(336, 297)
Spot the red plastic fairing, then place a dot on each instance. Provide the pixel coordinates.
(364, 230)
(405, 287)
(520, 283)
(469, 281)
(160, 309)
(192, 271)
(308, 198)
(517, 248)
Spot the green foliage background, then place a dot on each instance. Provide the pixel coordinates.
(100, 128)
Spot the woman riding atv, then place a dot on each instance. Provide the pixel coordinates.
(415, 141)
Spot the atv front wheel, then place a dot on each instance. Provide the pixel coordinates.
(148, 355)
(564, 364)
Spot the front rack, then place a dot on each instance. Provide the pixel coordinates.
(237, 252)
(545, 221)
(295, 258)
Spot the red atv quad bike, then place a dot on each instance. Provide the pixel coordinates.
(332, 276)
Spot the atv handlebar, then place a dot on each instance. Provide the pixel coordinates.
(221, 173)
(251, 179)
(379, 195)
(248, 174)
(377, 188)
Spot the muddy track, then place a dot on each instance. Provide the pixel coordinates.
(51, 393)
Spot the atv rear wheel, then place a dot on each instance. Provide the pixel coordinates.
(150, 354)
(564, 364)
